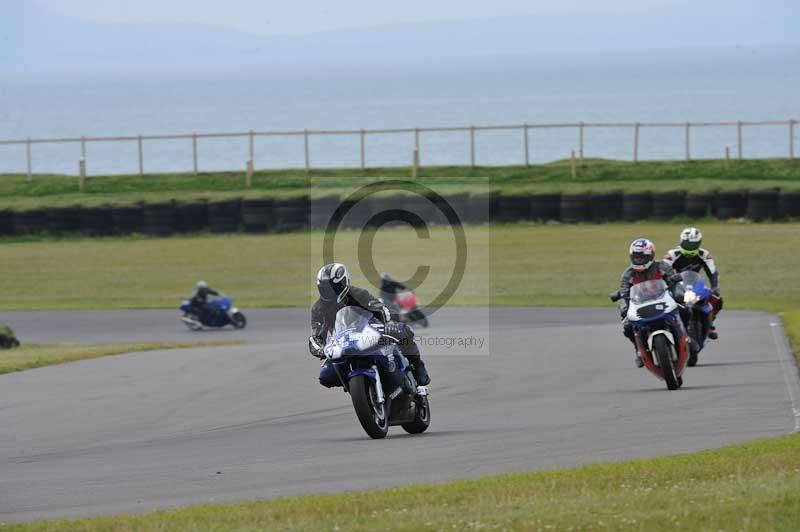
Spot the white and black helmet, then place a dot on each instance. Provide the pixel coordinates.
(333, 282)
(691, 238)
(642, 252)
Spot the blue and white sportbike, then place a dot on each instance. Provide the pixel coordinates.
(377, 376)
(222, 313)
(696, 312)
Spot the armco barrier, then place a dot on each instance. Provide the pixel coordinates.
(127, 219)
(606, 206)
(64, 220)
(257, 215)
(730, 205)
(576, 208)
(191, 217)
(159, 218)
(223, 216)
(789, 205)
(30, 222)
(668, 205)
(97, 221)
(268, 215)
(292, 214)
(545, 207)
(762, 205)
(6, 222)
(699, 205)
(637, 206)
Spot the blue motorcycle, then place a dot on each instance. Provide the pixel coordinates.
(377, 376)
(222, 313)
(696, 312)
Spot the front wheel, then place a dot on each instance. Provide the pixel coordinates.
(238, 320)
(422, 417)
(696, 334)
(371, 414)
(663, 350)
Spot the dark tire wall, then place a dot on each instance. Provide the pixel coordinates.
(297, 214)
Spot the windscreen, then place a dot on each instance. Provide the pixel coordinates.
(351, 318)
(648, 291)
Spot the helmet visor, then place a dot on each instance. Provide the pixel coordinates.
(327, 291)
(640, 259)
(686, 245)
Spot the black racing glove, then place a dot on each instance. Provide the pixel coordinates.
(392, 328)
(316, 346)
(716, 292)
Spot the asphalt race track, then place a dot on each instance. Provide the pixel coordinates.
(150, 430)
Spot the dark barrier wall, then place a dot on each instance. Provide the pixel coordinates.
(296, 214)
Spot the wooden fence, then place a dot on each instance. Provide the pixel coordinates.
(685, 129)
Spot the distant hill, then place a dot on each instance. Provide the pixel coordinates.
(36, 42)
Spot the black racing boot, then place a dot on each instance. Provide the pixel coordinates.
(712, 333)
(638, 361)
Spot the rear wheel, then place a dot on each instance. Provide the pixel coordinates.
(422, 417)
(371, 414)
(238, 320)
(663, 350)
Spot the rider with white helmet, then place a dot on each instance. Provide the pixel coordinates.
(335, 293)
(643, 268)
(689, 256)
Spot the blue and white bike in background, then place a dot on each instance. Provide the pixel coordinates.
(696, 312)
(222, 313)
(377, 376)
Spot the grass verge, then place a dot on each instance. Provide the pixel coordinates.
(755, 487)
(35, 356)
(16, 192)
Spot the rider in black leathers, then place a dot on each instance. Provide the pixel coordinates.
(199, 300)
(336, 292)
(390, 288)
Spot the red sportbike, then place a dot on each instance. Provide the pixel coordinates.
(661, 337)
(405, 308)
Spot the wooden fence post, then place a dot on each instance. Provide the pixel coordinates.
(636, 142)
(363, 151)
(141, 155)
(727, 157)
(194, 152)
(415, 163)
(30, 159)
(688, 142)
(580, 141)
(527, 146)
(250, 159)
(472, 146)
(739, 139)
(791, 139)
(305, 150)
(81, 174)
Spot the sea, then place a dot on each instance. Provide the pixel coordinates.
(674, 86)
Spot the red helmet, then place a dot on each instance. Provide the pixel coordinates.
(642, 253)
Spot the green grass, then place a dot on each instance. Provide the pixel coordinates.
(594, 175)
(29, 356)
(542, 265)
(751, 487)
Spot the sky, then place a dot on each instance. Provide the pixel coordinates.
(59, 37)
(280, 17)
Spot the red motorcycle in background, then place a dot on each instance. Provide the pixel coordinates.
(405, 308)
